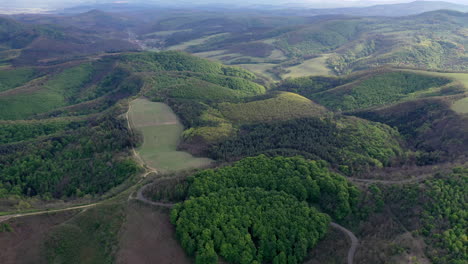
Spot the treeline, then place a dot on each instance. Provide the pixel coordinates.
(18, 131)
(308, 86)
(352, 145)
(90, 159)
(256, 211)
(309, 181)
(178, 61)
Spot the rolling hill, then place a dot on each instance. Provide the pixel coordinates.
(356, 122)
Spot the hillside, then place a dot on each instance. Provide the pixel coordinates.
(276, 45)
(348, 142)
(373, 88)
(25, 44)
(282, 106)
(273, 44)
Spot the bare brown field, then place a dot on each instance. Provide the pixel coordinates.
(149, 237)
(332, 249)
(24, 244)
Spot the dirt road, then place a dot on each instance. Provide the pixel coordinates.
(354, 241)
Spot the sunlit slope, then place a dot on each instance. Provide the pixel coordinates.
(282, 106)
(161, 132)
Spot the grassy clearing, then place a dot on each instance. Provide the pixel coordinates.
(260, 69)
(315, 66)
(193, 42)
(284, 106)
(460, 106)
(53, 94)
(13, 78)
(210, 54)
(461, 78)
(161, 132)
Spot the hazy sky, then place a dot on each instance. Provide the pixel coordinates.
(313, 3)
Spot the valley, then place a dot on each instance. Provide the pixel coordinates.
(215, 135)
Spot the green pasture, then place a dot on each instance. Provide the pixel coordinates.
(161, 135)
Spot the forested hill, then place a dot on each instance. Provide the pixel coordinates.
(62, 133)
(26, 44)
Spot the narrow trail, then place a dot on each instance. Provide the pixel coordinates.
(7, 217)
(388, 182)
(354, 241)
(149, 170)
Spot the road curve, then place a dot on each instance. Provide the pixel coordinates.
(352, 237)
(141, 197)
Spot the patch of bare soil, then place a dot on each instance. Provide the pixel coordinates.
(24, 244)
(333, 249)
(384, 240)
(149, 237)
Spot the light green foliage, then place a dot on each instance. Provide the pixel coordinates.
(13, 132)
(161, 135)
(445, 216)
(177, 61)
(248, 225)
(283, 106)
(179, 86)
(319, 38)
(88, 158)
(352, 145)
(437, 209)
(13, 78)
(379, 89)
(255, 211)
(51, 95)
(369, 142)
(306, 180)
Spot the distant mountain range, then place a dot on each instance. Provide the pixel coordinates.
(389, 10)
(404, 9)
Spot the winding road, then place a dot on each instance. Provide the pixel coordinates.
(149, 170)
(348, 233)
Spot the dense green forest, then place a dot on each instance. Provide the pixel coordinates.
(364, 90)
(264, 227)
(18, 131)
(309, 181)
(254, 210)
(90, 158)
(353, 145)
(270, 204)
(439, 207)
(55, 154)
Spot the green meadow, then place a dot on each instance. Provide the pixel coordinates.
(161, 134)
